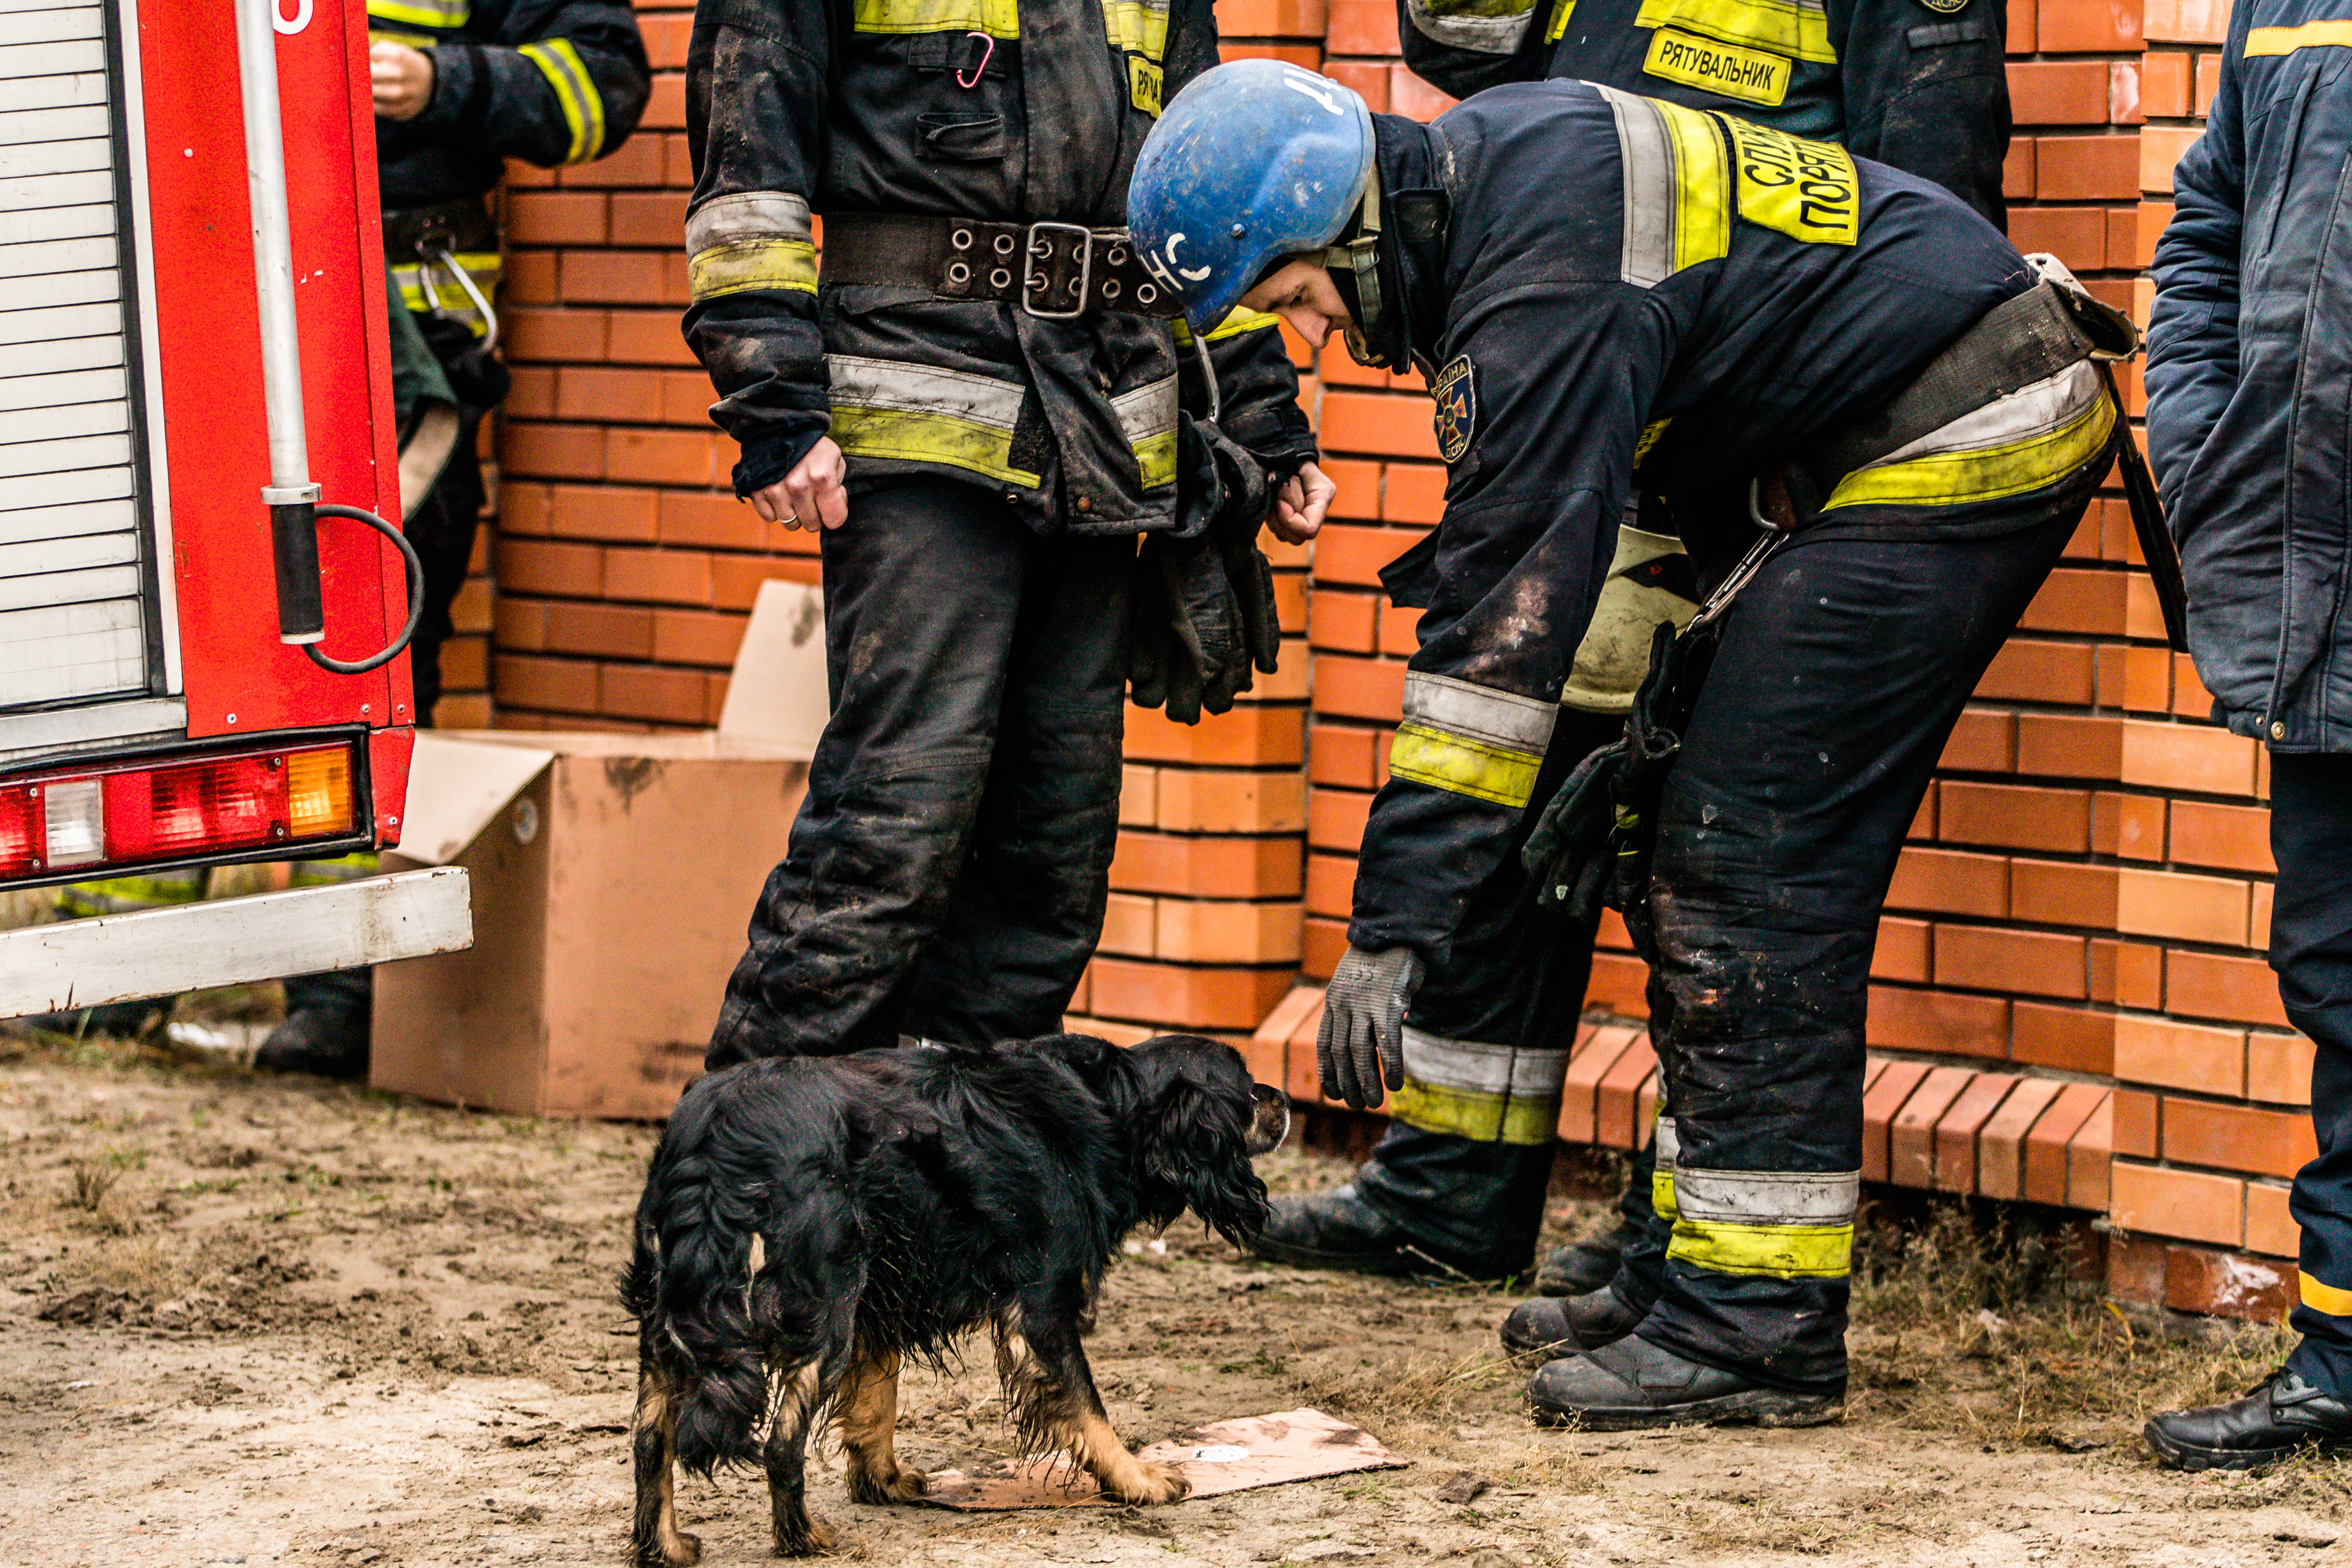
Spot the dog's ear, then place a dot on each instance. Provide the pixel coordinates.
(1197, 1117)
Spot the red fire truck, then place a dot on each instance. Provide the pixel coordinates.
(202, 609)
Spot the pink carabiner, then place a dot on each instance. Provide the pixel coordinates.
(986, 55)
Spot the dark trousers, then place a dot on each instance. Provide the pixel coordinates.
(443, 532)
(2311, 948)
(1844, 666)
(1515, 974)
(949, 869)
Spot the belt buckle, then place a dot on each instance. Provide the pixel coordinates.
(1036, 280)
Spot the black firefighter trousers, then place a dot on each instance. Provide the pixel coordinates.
(1844, 666)
(2311, 948)
(949, 869)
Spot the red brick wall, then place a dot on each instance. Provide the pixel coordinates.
(2069, 969)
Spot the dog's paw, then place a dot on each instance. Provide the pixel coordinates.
(900, 1485)
(1145, 1482)
(814, 1538)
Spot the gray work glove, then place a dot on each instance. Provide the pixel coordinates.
(1362, 1039)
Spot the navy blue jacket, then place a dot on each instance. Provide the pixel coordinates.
(1631, 291)
(2250, 374)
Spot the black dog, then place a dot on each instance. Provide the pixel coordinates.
(813, 1221)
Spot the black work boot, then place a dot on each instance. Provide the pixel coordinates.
(1548, 1326)
(326, 1027)
(1633, 1384)
(124, 1021)
(1583, 1266)
(1337, 1230)
(2282, 1415)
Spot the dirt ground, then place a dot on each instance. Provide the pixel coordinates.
(251, 1322)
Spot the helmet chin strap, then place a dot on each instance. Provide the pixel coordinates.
(1357, 259)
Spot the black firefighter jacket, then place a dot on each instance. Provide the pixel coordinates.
(2250, 377)
(1002, 110)
(1917, 84)
(1628, 286)
(547, 81)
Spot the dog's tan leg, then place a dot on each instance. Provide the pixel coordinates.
(799, 1533)
(1051, 1390)
(655, 1540)
(869, 1423)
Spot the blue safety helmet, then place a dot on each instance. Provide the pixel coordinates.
(1253, 161)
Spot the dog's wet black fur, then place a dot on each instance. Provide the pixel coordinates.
(809, 1223)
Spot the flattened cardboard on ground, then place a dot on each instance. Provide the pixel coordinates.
(1223, 1457)
(612, 875)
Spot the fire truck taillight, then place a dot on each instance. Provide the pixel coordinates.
(176, 810)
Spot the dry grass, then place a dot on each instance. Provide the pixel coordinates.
(1982, 1321)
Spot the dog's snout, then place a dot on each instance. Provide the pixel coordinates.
(1269, 1120)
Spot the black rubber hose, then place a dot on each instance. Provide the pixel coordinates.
(415, 597)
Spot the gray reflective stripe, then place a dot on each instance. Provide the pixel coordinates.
(1486, 1069)
(924, 388)
(1767, 1197)
(1670, 1145)
(1148, 410)
(1648, 256)
(1481, 713)
(1480, 34)
(747, 218)
(2029, 412)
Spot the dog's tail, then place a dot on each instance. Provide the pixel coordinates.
(728, 1277)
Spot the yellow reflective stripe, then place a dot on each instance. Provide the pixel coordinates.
(442, 14)
(915, 437)
(1984, 473)
(2269, 41)
(1553, 34)
(1775, 1252)
(744, 267)
(1702, 216)
(1137, 26)
(1475, 1114)
(1751, 76)
(997, 18)
(129, 894)
(326, 873)
(1784, 26)
(2319, 1298)
(1662, 1192)
(575, 89)
(1503, 775)
(413, 40)
(1806, 190)
(1156, 456)
(1237, 321)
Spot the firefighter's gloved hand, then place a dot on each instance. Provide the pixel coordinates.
(1362, 1043)
(1571, 853)
(1186, 648)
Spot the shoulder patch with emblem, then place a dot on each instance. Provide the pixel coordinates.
(1945, 8)
(1455, 391)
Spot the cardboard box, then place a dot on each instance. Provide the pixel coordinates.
(612, 877)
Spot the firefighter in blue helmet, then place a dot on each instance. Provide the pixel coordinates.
(1919, 85)
(983, 402)
(2248, 373)
(1611, 291)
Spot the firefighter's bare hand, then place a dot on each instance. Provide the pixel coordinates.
(1299, 505)
(402, 78)
(812, 494)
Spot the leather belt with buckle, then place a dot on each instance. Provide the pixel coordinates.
(1055, 270)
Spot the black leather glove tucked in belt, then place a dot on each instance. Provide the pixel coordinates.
(1203, 613)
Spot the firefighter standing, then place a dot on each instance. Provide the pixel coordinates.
(981, 410)
(1457, 1185)
(2247, 378)
(1606, 290)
